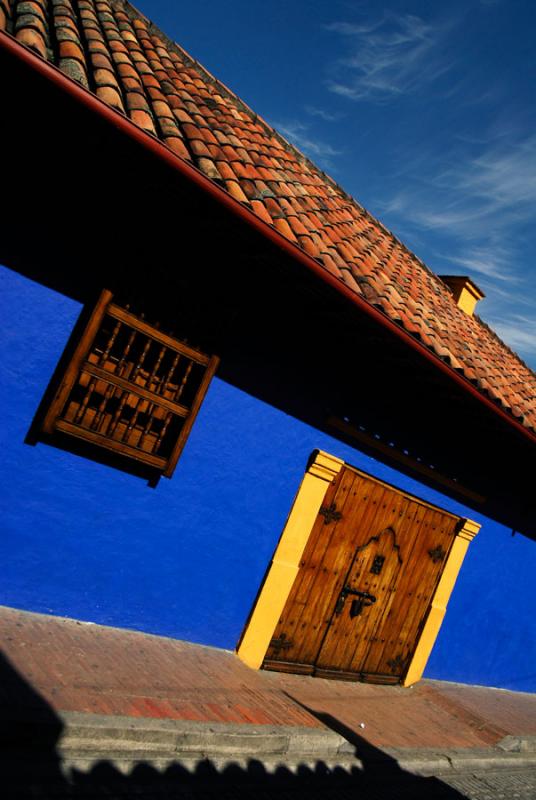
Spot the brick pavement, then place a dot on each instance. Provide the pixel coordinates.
(83, 667)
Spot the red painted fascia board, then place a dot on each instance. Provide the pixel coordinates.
(121, 122)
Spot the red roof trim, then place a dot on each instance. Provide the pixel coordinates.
(118, 120)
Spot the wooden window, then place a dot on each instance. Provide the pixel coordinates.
(129, 388)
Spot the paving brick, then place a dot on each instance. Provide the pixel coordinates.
(90, 668)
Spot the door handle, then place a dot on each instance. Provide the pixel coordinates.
(362, 599)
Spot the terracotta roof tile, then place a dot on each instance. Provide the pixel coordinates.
(233, 187)
(32, 38)
(108, 47)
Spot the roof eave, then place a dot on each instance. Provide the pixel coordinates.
(190, 172)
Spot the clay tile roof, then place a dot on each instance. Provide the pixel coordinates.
(112, 50)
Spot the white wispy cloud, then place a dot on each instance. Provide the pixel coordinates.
(515, 296)
(300, 135)
(321, 113)
(504, 177)
(518, 331)
(493, 261)
(396, 54)
(482, 198)
(481, 209)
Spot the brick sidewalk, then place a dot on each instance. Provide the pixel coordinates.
(82, 667)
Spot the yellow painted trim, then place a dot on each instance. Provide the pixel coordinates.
(285, 563)
(467, 301)
(440, 600)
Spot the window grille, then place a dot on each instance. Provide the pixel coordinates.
(130, 388)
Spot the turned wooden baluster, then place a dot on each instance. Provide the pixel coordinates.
(151, 408)
(169, 415)
(132, 377)
(140, 401)
(183, 382)
(112, 390)
(80, 414)
(109, 389)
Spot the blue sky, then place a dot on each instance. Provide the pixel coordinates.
(424, 112)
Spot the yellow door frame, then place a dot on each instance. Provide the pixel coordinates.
(322, 470)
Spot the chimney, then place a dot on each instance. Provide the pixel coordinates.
(466, 293)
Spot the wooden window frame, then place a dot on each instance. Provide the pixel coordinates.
(52, 415)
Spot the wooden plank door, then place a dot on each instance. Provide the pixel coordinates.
(362, 606)
(369, 541)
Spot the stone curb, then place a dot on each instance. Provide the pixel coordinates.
(144, 738)
(84, 731)
(87, 738)
(427, 761)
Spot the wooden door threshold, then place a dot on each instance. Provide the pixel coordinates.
(288, 666)
(362, 677)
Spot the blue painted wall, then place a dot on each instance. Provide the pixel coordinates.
(185, 560)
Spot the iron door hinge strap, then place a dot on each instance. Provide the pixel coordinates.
(437, 554)
(330, 514)
(282, 643)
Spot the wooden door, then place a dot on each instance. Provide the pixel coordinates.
(365, 583)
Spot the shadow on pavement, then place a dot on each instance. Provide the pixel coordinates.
(31, 766)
